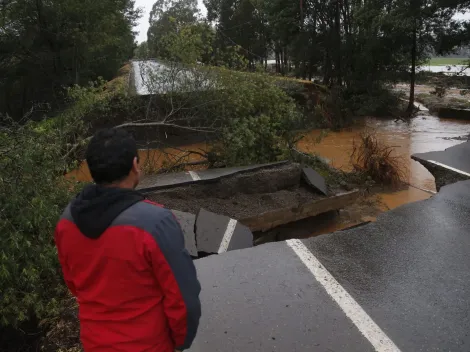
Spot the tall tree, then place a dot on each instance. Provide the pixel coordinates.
(241, 26)
(167, 18)
(48, 45)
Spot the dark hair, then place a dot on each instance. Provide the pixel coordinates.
(110, 155)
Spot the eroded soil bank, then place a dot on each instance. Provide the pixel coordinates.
(261, 200)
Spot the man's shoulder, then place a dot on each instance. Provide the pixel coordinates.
(66, 214)
(144, 214)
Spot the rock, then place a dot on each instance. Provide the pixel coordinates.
(315, 180)
(218, 233)
(187, 222)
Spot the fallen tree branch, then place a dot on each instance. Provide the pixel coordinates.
(165, 124)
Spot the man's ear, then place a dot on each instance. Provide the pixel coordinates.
(135, 166)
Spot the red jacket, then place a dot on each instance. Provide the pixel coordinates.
(124, 259)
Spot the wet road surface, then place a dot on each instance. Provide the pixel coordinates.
(456, 158)
(408, 273)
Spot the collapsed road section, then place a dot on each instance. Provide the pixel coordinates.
(219, 208)
(448, 166)
(399, 284)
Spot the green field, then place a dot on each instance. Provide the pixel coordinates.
(445, 61)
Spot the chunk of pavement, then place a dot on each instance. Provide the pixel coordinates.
(218, 233)
(187, 222)
(315, 180)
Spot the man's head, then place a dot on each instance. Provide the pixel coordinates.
(113, 159)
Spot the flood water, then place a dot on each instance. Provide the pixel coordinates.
(152, 160)
(421, 134)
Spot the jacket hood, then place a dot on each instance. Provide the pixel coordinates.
(96, 207)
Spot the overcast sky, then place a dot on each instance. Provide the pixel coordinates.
(146, 5)
(143, 26)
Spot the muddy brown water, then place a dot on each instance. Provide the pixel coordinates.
(422, 134)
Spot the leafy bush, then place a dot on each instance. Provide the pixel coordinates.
(33, 193)
(258, 118)
(378, 101)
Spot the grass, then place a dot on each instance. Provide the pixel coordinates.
(446, 61)
(376, 160)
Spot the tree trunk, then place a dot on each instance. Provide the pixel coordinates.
(413, 70)
(310, 69)
(327, 70)
(278, 66)
(339, 77)
(283, 59)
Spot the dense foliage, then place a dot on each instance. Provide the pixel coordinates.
(46, 46)
(33, 193)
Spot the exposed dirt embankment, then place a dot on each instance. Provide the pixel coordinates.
(241, 196)
(244, 196)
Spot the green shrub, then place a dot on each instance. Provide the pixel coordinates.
(33, 193)
(258, 117)
(378, 101)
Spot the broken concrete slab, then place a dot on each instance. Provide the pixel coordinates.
(448, 166)
(213, 174)
(272, 219)
(455, 157)
(315, 180)
(155, 182)
(216, 233)
(187, 222)
(152, 183)
(261, 199)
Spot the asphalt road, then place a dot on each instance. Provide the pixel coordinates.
(457, 157)
(405, 278)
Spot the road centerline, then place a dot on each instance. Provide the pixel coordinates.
(371, 331)
(448, 167)
(194, 176)
(227, 236)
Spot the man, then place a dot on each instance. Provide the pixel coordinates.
(123, 257)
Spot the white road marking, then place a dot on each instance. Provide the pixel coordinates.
(194, 175)
(227, 236)
(448, 167)
(371, 331)
(422, 189)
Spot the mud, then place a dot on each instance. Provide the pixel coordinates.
(242, 196)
